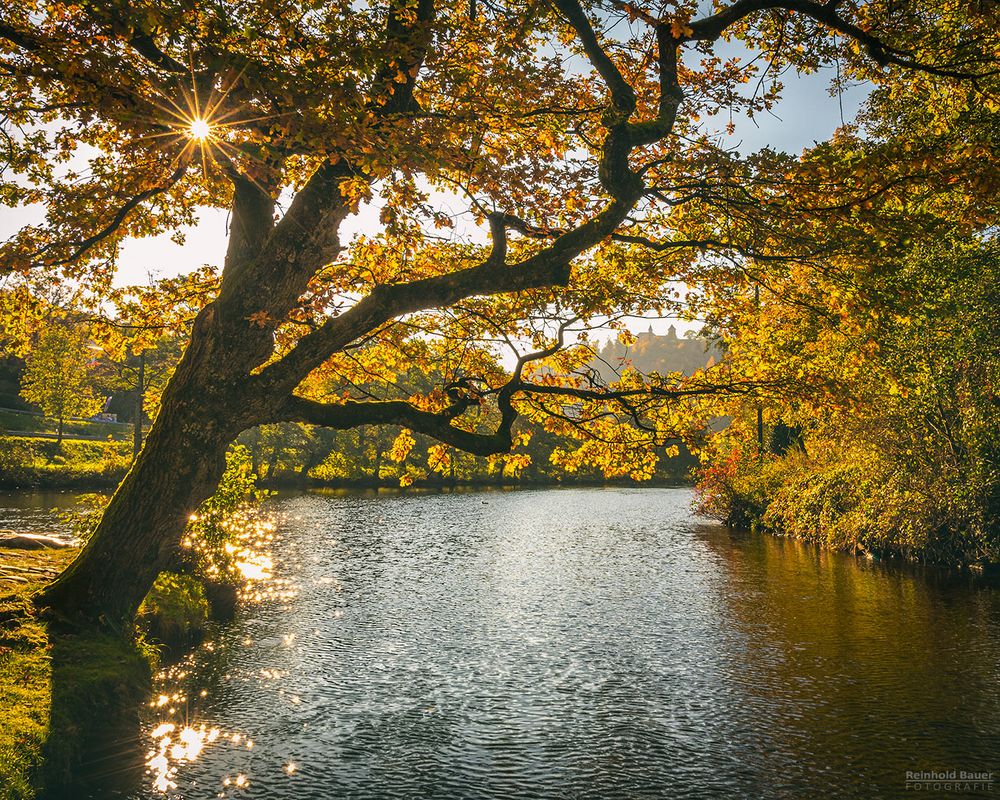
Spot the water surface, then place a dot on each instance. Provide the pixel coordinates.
(591, 643)
(28, 511)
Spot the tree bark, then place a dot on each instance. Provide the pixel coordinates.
(179, 467)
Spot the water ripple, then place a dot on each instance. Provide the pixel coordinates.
(578, 644)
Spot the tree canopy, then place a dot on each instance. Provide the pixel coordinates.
(535, 167)
(56, 375)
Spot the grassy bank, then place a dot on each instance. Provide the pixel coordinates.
(27, 462)
(68, 701)
(11, 420)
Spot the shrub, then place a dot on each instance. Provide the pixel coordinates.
(175, 611)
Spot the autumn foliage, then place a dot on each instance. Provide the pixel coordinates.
(534, 169)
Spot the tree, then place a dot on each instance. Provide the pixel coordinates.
(894, 407)
(57, 376)
(571, 130)
(139, 365)
(881, 356)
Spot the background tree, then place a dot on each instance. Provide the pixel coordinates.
(572, 131)
(881, 353)
(138, 368)
(57, 375)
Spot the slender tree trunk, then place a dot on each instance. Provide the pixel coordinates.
(313, 459)
(140, 392)
(253, 444)
(59, 433)
(272, 462)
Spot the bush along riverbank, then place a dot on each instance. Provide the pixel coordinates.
(876, 424)
(71, 694)
(859, 501)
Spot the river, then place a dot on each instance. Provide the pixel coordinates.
(575, 643)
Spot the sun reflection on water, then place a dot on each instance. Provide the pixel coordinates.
(170, 750)
(255, 569)
(176, 735)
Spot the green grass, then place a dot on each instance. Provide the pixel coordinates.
(12, 421)
(54, 686)
(175, 611)
(29, 462)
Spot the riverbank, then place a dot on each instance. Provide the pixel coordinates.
(54, 686)
(845, 503)
(437, 483)
(37, 464)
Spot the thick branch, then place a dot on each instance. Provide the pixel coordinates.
(146, 46)
(406, 43)
(550, 267)
(307, 236)
(252, 221)
(618, 395)
(622, 94)
(19, 38)
(387, 302)
(353, 414)
(438, 425)
(498, 232)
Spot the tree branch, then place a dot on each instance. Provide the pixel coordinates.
(549, 267)
(353, 414)
(712, 27)
(82, 246)
(622, 94)
(438, 425)
(307, 236)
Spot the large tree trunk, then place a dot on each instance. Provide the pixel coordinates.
(179, 466)
(142, 526)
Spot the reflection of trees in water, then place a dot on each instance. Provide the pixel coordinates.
(837, 656)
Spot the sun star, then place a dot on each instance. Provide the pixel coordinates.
(199, 129)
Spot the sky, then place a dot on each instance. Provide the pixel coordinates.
(806, 114)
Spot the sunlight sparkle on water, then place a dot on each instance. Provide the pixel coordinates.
(187, 747)
(240, 781)
(177, 743)
(255, 567)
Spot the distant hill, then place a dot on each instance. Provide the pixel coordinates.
(655, 353)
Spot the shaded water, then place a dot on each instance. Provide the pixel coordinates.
(592, 643)
(37, 511)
